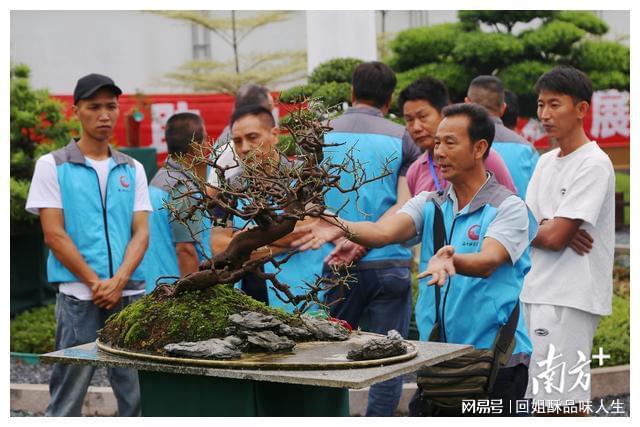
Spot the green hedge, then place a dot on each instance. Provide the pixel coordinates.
(584, 20)
(417, 46)
(555, 37)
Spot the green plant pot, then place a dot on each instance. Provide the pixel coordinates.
(27, 358)
(28, 259)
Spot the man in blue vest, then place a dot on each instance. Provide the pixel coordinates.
(255, 135)
(93, 204)
(382, 285)
(486, 257)
(178, 245)
(518, 153)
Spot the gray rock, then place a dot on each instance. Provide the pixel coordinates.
(378, 348)
(210, 349)
(324, 330)
(296, 334)
(254, 321)
(269, 341)
(394, 335)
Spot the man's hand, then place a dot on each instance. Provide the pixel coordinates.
(317, 234)
(345, 253)
(107, 293)
(582, 242)
(440, 266)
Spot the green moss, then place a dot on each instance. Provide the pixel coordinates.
(152, 322)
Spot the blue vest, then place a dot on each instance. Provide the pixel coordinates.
(100, 231)
(374, 142)
(473, 308)
(161, 258)
(518, 154)
(300, 268)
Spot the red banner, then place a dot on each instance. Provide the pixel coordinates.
(156, 110)
(608, 120)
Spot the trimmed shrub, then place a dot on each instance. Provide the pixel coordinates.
(455, 76)
(336, 70)
(584, 20)
(554, 37)
(423, 45)
(604, 56)
(487, 51)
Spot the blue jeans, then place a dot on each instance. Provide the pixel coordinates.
(385, 295)
(78, 323)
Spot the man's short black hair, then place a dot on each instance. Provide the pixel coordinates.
(425, 89)
(253, 110)
(481, 125)
(181, 130)
(487, 91)
(566, 80)
(373, 82)
(510, 116)
(250, 94)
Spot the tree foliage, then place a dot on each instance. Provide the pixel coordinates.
(584, 20)
(417, 46)
(265, 68)
(501, 20)
(491, 42)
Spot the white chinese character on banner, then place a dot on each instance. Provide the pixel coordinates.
(160, 113)
(610, 110)
(532, 131)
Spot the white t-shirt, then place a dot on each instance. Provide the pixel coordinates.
(226, 157)
(44, 192)
(578, 186)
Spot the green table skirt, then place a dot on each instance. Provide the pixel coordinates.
(177, 395)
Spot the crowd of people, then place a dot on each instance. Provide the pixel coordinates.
(525, 236)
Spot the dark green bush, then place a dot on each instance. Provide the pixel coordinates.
(423, 45)
(297, 93)
(585, 20)
(19, 189)
(33, 331)
(554, 37)
(455, 76)
(601, 56)
(487, 51)
(336, 70)
(333, 93)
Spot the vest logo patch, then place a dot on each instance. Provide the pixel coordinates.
(123, 182)
(472, 232)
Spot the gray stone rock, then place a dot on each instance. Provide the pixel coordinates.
(296, 334)
(210, 349)
(378, 348)
(269, 341)
(394, 335)
(254, 321)
(324, 330)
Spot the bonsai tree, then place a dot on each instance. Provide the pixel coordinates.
(492, 42)
(272, 197)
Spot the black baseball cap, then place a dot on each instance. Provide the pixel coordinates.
(90, 84)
